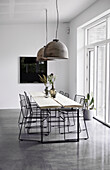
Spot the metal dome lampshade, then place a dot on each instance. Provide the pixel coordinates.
(56, 49)
(40, 55)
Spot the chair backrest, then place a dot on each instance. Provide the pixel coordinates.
(66, 94)
(61, 92)
(27, 99)
(23, 105)
(80, 99)
(22, 100)
(28, 102)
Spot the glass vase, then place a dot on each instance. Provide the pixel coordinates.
(53, 91)
(46, 91)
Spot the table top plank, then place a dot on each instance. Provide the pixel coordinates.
(44, 102)
(58, 102)
(36, 93)
(66, 102)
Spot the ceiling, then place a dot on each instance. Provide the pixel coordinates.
(33, 11)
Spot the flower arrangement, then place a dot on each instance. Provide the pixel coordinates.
(51, 79)
(43, 79)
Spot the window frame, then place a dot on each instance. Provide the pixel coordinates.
(94, 46)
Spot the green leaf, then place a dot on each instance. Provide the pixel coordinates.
(91, 102)
(43, 79)
(92, 107)
(88, 96)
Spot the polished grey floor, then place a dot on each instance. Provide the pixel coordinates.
(91, 154)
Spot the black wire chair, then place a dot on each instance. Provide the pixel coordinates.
(25, 118)
(70, 114)
(56, 119)
(66, 94)
(81, 99)
(61, 92)
(30, 118)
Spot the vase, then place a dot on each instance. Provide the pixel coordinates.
(53, 91)
(88, 114)
(46, 91)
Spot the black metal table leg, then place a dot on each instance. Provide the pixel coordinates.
(41, 112)
(78, 125)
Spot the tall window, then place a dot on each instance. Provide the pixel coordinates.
(97, 33)
(97, 76)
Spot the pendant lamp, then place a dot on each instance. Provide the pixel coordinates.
(40, 54)
(56, 49)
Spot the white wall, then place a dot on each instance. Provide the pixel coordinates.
(74, 70)
(26, 40)
(80, 62)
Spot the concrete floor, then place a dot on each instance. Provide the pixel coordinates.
(91, 154)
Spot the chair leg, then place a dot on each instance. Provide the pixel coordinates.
(73, 118)
(64, 128)
(79, 128)
(20, 130)
(84, 129)
(68, 119)
(29, 125)
(59, 122)
(19, 117)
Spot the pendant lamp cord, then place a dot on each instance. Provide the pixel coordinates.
(46, 29)
(57, 19)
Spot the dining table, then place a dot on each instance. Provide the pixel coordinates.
(58, 103)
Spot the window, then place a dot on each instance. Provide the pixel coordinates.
(97, 66)
(109, 28)
(100, 82)
(96, 33)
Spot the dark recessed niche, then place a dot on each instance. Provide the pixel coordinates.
(30, 70)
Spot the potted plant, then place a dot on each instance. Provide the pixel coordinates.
(89, 107)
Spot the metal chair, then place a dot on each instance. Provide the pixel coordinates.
(35, 110)
(25, 117)
(22, 98)
(61, 92)
(70, 115)
(67, 95)
(55, 120)
(29, 119)
(81, 99)
(29, 102)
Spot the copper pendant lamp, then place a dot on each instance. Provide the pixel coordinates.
(56, 49)
(40, 55)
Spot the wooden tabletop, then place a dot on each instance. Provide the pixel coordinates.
(58, 102)
(66, 102)
(44, 102)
